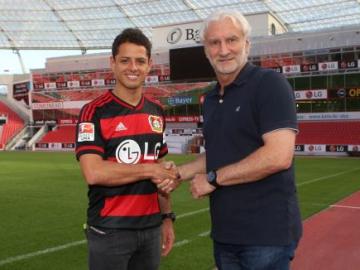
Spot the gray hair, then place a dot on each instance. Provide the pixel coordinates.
(235, 16)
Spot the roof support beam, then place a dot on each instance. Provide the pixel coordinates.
(78, 40)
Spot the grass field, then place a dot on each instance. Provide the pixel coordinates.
(43, 203)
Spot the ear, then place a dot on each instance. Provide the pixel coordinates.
(247, 46)
(150, 65)
(112, 63)
(206, 52)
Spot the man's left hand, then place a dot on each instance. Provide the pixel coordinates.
(168, 236)
(200, 187)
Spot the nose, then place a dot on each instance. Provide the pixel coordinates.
(133, 65)
(224, 50)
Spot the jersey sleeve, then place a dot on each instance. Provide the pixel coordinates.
(275, 103)
(164, 148)
(88, 135)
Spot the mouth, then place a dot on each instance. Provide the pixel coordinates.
(225, 60)
(132, 77)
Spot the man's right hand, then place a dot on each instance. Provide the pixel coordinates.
(166, 176)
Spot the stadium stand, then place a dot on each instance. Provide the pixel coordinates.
(13, 125)
(62, 134)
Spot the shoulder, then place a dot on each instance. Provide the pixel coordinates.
(270, 75)
(153, 102)
(266, 74)
(100, 100)
(89, 109)
(271, 80)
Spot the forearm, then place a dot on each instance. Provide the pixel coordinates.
(188, 170)
(256, 166)
(97, 171)
(276, 155)
(108, 173)
(165, 203)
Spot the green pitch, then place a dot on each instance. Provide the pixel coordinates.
(43, 203)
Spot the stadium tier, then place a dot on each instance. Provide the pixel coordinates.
(13, 124)
(62, 134)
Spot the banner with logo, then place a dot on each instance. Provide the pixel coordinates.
(353, 92)
(299, 148)
(50, 85)
(354, 148)
(348, 64)
(315, 148)
(180, 100)
(291, 69)
(59, 105)
(309, 67)
(191, 119)
(336, 148)
(326, 66)
(177, 35)
(151, 79)
(311, 94)
(73, 84)
(328, 116)
(98, 82)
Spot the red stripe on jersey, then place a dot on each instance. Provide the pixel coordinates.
(130, 125)
(131, 205)
(89, 110)
(163, 151)
(149, 159)
(89, 147)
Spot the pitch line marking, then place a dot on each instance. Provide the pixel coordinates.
(41, 252)
(81, 242)
(345, 206)
(326, 177)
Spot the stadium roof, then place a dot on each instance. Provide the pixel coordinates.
(92, 24)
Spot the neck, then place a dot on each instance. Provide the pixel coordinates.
(226, 79)
(130, 96)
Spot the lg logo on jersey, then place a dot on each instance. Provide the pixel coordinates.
(129, 152)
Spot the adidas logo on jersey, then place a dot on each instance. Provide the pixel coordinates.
(120, 127)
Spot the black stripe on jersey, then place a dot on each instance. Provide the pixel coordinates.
(90, 108)
(127, 105)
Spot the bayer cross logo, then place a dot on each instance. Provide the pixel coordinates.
(128, 152)
(174, 36)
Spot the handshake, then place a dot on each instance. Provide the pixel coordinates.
(166, 176)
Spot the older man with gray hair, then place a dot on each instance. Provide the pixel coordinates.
(247, 169)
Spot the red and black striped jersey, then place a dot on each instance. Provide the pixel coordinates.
(120, 132)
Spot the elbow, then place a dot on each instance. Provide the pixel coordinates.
(92, 177)
(281, 164)
(284, 163)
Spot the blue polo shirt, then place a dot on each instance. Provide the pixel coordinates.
(264, 212)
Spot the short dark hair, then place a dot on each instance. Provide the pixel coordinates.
(132, 35)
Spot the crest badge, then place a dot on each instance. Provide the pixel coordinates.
(156, 123)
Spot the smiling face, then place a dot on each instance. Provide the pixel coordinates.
(226, 47)
(130, 66)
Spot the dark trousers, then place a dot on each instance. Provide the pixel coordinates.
(243, 257)
(113, 249)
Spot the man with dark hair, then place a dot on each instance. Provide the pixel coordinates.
(132, 35)
(119, 143)
(247, 169)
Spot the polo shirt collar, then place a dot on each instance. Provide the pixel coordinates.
(240, 79)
